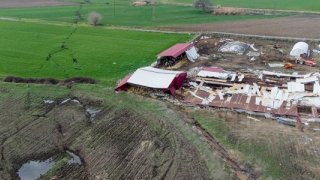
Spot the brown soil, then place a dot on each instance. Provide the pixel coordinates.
(32, 3)
(120, 144)
(209, 48)
(302, 26)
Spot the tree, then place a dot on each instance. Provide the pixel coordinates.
(94, 18)
(204, 5)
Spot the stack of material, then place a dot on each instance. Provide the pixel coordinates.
(278, 101)
(218, 76)
(234, 47)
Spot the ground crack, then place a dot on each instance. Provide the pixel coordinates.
(64, 45)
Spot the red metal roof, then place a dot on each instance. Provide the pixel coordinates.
(176, 50)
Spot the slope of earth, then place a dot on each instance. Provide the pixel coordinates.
(32, 3)
(302, 26)
(123, 14)
(130, 138)
(277, 151)
(40, 50)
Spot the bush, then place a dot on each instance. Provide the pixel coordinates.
(94, 18)
(204, 5)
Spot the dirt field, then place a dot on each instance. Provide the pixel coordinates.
(301, 26)
(121, 143)
(32, 3)
(208, 48)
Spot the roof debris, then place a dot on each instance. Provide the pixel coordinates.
(288, 96)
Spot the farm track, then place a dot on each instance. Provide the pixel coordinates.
(291, 27)
(32, 3)
(210, 29)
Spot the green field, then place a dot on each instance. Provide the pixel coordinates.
(310, 5)
(101, 53)
(123, 14)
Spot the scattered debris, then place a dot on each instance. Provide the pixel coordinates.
(255, 119)
(75, 159)
(253, 54)
(290, 98)
(275, 64)
(65, 101)
(92, 112)
(234, 47)
(48, 101)
(317, 52)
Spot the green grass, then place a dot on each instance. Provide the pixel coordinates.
(310, 5)
(260, 154)
(103, 54)
(125, 14)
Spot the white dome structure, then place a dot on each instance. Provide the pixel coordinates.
(299, 48)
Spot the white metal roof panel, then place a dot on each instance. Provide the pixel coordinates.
(218, 75)
(153, 77)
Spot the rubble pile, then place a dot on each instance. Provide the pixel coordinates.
(254, 78)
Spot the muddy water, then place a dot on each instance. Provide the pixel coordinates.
(92, 112)
(34, 169)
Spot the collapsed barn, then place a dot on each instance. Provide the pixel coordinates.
(177, 52)
(239, 76)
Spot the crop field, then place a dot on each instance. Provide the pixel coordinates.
(34, 50)
(123, 14)
(310, 5)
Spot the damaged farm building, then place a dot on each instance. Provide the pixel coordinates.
(257, 77)
(177, 52)
(165, 80)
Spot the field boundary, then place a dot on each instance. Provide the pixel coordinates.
(265, 37)
(196, 33)
(276, 10)
(266, 10)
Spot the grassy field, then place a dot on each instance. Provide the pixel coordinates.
(103, 54)
(310, 5)
(122, 14)
(279, 151)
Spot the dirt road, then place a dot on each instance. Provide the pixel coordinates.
(32, 3)
(302, 26)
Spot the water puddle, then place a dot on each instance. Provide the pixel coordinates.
(93, 112)
(34, 169)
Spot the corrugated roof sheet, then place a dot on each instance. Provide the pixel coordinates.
(153, 77)
(176, 50)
